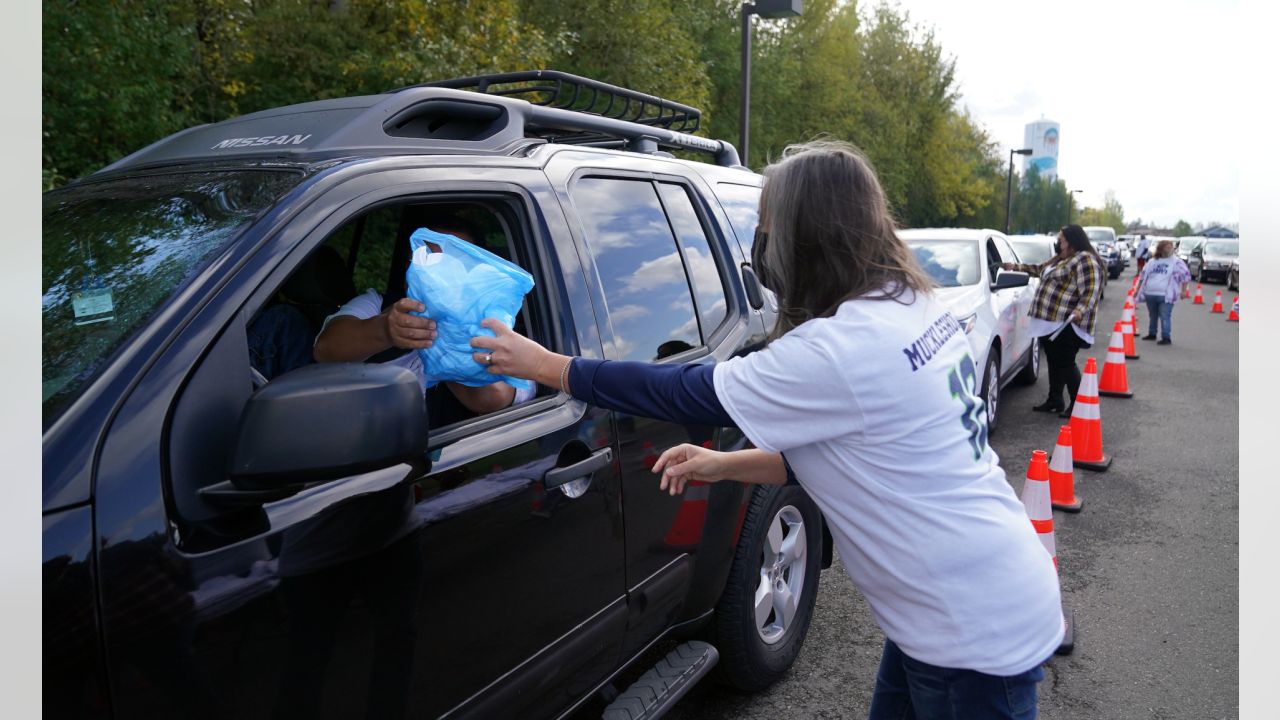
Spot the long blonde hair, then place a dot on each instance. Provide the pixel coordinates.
(831, 237)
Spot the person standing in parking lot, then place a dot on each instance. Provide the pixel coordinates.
(1064, 311)
(1160, 283)
(1141, 251)
(867, 397)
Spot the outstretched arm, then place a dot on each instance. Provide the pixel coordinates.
(683, 463)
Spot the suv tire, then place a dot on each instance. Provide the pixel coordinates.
(754, 654)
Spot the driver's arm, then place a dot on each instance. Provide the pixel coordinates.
(349, 338)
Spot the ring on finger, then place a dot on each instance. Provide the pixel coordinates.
(488, 358)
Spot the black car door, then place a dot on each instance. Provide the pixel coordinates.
(469, 589)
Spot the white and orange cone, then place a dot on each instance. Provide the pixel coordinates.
(1036, 501)
(1235, 310)
(1115, 379)
(1199, 295)
(1062, 475)
(1086, 423)
(1217, 303)
(1129, 328)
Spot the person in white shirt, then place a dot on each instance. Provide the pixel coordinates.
(1159, 285)
(868, 393)
(1142, 251)
(361, 329)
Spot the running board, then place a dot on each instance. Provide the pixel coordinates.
(658, 690)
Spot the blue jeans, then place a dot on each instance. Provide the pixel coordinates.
(907, 689)
(1158, 308)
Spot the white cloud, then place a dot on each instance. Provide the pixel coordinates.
(1147, 94)
(627, 312)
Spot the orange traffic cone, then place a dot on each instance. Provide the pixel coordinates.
(1115, 380)
(1036, 501)
(1199, 295)
(1186, 291)
(1086, 423)
(1128, 329)
(1062, 476)
(1217, 303)
(1235, 310)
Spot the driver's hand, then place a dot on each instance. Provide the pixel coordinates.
(410, 332)
(1007, 266)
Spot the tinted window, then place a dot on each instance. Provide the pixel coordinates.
(951, 263)
(645, 286)
(113, 252)
(1006, 251)
(700, 264)
(742, 204)
(1033, 252)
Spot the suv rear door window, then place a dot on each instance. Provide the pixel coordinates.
(708, 286)
(646, 289)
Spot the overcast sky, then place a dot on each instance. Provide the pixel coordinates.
(1147, 94)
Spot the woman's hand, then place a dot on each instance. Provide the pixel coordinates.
(1077, 316)
(1007, 266)
(686, 462)
(512, 354)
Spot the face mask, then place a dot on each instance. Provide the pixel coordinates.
(757, 261)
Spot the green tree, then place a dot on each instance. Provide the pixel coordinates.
(1182, 228)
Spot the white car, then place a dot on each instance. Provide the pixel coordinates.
(990, 303)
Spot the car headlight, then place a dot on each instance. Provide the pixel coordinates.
(968, 322)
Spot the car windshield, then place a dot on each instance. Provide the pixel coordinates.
(1100, 235)
(1222, 248)
(951, 263)
(1033, 252)
(114, 251)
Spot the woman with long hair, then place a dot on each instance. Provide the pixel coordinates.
(1064, 311)
(866, 396)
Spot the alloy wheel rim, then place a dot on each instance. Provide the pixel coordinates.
(782, 574)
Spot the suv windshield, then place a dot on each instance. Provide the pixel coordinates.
(1033, 252)
(951, 263)
(114, 251)
(1222, 248)
(1100, 235)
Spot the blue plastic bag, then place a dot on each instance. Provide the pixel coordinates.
(460, 286)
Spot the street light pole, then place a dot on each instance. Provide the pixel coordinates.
(1071, 196)
(1008, 191)
(765, 9)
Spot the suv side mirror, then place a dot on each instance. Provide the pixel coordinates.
(326, 421)
(1011, 279)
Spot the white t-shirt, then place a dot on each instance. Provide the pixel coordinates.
(369, 304)
(876, 411)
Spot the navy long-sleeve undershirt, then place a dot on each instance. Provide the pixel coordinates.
(683, 394)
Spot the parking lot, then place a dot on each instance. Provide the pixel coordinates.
(1150, 566)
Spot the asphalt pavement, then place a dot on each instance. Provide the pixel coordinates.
(1150, 565)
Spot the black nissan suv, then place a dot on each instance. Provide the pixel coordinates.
(227, 534)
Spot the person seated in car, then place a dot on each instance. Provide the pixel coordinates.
(362, 330)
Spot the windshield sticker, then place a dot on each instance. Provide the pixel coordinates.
(93, 304)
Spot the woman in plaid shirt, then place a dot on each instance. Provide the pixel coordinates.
(1070, 285)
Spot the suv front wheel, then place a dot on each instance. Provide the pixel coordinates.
(764, 613)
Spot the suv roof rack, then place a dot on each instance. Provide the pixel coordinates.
(441, 118)
(552, 88)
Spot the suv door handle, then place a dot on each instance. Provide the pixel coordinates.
(556, 477)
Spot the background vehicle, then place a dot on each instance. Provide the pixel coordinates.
(1034, 249)
(990, 303)
(1186, 245)
(1212, 259)
(1233, 277)
(1110, 257)
(225, 540)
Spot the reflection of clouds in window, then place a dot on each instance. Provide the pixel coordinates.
(614, 214)
(654, 274)
(742, 204)
(688, 329)
(623, 348)
(951, 263)
(628, 312)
